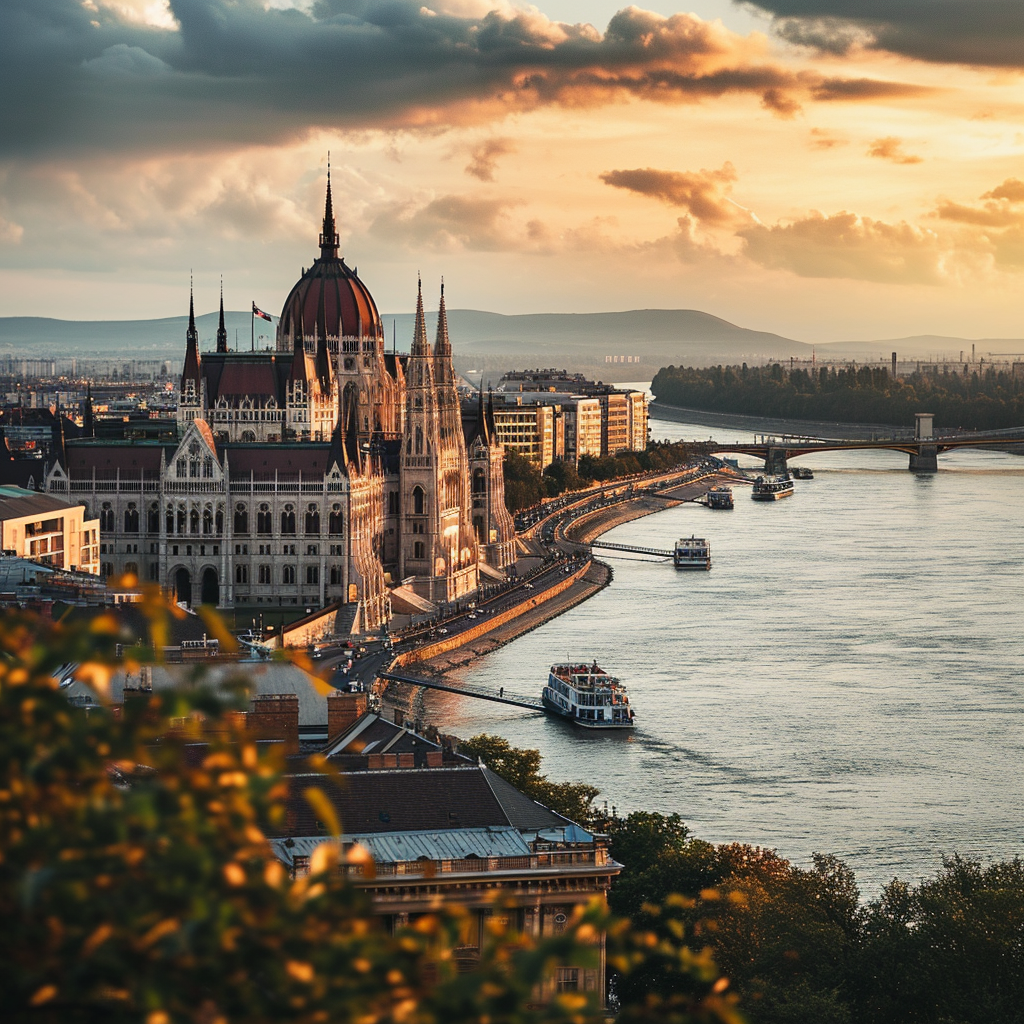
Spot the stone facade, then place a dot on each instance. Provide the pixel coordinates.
(320, 472)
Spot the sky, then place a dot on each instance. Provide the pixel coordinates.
(825, 169)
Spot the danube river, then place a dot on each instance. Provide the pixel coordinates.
(846, 679)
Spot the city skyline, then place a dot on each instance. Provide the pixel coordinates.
(787, 166)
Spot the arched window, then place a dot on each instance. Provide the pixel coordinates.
(241, 574)
(241, 519)
(170, 519)
(131, 518)
(335, 522)
(207, 468)
(107, 518)
(288, 574)
(193, 521)
(417, 500)
(313, 519)
(264, 574)
(181, 519)
(153, 519)
(249, 436)
(419, 440)
(131, 569)
(208, 519)
(218, 520)
(288, 519)
(479, 481)
(181, 467)
(264, 523)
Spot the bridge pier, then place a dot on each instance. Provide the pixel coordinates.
(925, 459)
(775, 462)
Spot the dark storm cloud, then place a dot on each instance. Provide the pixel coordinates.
(78, 75)
(974, 32)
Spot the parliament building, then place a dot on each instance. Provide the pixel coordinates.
(327, 470)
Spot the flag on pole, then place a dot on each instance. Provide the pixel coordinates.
(256, 311)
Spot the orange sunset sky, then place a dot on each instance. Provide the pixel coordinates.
(826, 169)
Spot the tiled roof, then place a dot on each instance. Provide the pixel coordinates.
(399, 800)
(132, 458)
(17, 501)
(263, 460)
(522, 811)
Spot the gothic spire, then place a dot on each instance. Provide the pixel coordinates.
(191, 368)
(329, 235)
(443, 346)
(420, 345)
(222, 331)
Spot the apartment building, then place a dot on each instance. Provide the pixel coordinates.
(49, 530)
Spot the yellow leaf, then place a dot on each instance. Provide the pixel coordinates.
(324, 809)
(299, 971)
(234, 875)
(44, 995)
(98, 937)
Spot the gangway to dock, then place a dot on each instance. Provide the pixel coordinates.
(530, 703)
(631, 549)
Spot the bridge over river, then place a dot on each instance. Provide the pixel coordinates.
(923, 446)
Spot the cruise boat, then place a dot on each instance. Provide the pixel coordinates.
(719, 497)
(586, 695)
(802, 473)
(692, 553)
(771, 488)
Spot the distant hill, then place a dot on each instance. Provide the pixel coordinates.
(595, 343)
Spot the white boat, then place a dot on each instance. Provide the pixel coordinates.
(692, 553)
(586, 695)
(771, 488)
(719, 497)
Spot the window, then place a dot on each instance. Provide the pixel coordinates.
(207, 468)
(419, 527)
(208, 519)
(241, 574)
(479, 481)
(288, 574)
(419, 440)
(335, 522)
(193, 521)
(241, 519)
(265, 574)
(312, 575)
(218, 520)
(170, 519)
(288, 519)
(264, 524)
(567, 979)
(180, 468)
(392, 503)
(153, 519)
(313, 519)
(419, 549)
(336, 576)
(107, 518)
(107, 569)
(154, 571)
(131, 568)
(312, 549)
(417, 500)
(337, 549)
(181, 519)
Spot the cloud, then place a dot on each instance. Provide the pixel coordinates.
(189, 75)
(484, 158)
(845, 245)
(968, 32)
(703, 193)
(452, 222)
(1011, 190)
(821, 138)
(891, 148)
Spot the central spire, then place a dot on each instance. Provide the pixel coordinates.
(329, 235)
(222, 331)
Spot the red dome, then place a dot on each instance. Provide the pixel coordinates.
(329, 299)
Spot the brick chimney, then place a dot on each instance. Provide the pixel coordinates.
(342, 711)
(275, 716)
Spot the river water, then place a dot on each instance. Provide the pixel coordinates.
(846, 679)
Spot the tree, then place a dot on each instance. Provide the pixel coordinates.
(137, 882)
(523, 486)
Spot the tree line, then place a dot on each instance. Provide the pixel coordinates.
(526, 484)
(798, 945)
(992, 400)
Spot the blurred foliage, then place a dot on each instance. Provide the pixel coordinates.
(868, 394)
(137, 883)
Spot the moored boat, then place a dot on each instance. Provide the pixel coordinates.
(719, 497)
(587, 696)
(802, 473)
(771, 488)
(692, 553)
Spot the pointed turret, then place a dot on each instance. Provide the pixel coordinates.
(298, 370)
(190, 373)
(443, 347)
(420, 371)
(323, 361)
(222, 331)
(329, 234)
(88, 423)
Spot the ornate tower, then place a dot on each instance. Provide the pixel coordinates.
(190, 401)
(222, 331)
